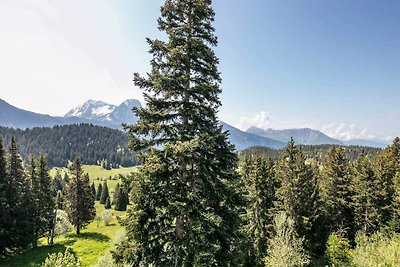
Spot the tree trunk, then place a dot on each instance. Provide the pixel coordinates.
(35, 240)
(50, 239)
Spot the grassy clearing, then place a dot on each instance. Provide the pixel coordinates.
(94, 241)
(95, 171)
(98, 174)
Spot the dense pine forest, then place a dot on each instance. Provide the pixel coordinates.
(313, 152)
(60, 144)
(194, 200)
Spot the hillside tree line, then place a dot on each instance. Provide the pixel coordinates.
(96, 145)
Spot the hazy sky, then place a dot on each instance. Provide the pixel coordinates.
(329, 65)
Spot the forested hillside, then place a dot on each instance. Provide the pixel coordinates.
(194, 200)
(335, 212)
(316, 152)
(95, 144)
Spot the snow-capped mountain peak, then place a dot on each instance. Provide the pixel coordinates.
(92, 109)
(99, 111)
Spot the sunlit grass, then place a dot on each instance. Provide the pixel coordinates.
(98, 174)
(93, 242)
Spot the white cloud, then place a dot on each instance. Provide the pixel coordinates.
(260, 120)
(345, 131)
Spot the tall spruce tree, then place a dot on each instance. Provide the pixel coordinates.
(104, 193)
(120, 198)
(93, 187)
(337, 194)
(47, 203)
(18, 199)
(98, 192)
(297, 194)
(107, 205)
(386, 165)
(34, 202)
(395, 221)
(366, 197)
(185, 208)
(259, 186)
(5, 218)
(79, 201)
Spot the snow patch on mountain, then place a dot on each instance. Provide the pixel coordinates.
(103, 110)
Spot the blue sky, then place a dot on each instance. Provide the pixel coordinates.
(329, 65)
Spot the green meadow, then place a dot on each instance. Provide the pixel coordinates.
(95, 241)
(99, 174)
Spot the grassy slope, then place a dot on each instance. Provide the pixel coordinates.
(95, 172)
(94, 241)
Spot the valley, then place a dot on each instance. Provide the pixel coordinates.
(233, 133)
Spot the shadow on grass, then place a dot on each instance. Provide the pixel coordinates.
(90, 236)
(31, 257)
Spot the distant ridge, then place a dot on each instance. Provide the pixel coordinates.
(364, 142)
(103, 114)
(243, 140)
(14, 117)
(303, 136)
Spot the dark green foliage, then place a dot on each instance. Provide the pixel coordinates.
(366, 196)
(5, 218)
(337, 192)
(395, 222)
(61, 143)
(386, 165)
(107, 205)
(120, 198)
(297, 194)
(79, 201)
(117, 192)
(259, 186)
(104, 193)
(18, 199)
(99, 191)
(27, 199)
(93, 188)
(46, 200)
(34, 206)
(316, 152)
(185, 207)
(42, 205)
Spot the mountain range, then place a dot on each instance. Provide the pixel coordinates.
(112, 116)
(304, 136)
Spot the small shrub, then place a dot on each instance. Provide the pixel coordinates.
(379, 249)
(63, 225)
(105, 261)
(106, 216)
(65, 259)
(285, 247)
(119, 237)
(338, 251)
